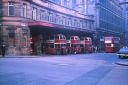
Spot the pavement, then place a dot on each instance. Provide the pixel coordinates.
(123, 62)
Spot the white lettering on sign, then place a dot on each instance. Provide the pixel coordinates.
(108, 41)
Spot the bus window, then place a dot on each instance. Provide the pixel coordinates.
(61, 37)
(63, 45)
(82, 38)
(108, 45)
(74, 45)
(86, 39)
(57, 37)
(81, 45)
(90, 39)
(72, 38)
(112, 45)
(57, 45)
(89, 45)
(51, 46)
(75, 38)
(68, 45)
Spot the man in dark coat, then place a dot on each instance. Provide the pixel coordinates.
(3, 48)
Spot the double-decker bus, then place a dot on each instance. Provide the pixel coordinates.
(112, 44)
(86, 45)
(73, 45)
(56, 44)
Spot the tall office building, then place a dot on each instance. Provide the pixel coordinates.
(108, 17)
(124, 4)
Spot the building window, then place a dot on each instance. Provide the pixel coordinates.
(63, 20)
(42, 15)
(90, 25)
(72, 23)
(50, 17)
(24, 10)
(86, 24)
(69, 21)
(60, 20)
(66, 21)
(57, 19)
(34, 13)
(80, 23)
(46, 16)
(39, 17)
(11, 8)
(75, 23)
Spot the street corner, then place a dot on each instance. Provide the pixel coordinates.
(123, 62)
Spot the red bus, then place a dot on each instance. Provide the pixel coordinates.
(56, 44)
(86, 45)
(112, 44)
(73, 45)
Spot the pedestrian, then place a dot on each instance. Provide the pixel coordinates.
(96, 49)
(3, 48)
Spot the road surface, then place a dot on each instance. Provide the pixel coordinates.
(80, 69)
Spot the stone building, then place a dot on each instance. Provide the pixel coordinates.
(22, 19)
(14, 32)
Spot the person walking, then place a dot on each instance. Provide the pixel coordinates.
(96, 49)
(3, 48)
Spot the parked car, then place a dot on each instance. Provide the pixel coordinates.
(123, 52)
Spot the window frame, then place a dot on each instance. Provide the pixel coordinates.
(24, 10)
(34, 15)
(11, 3)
